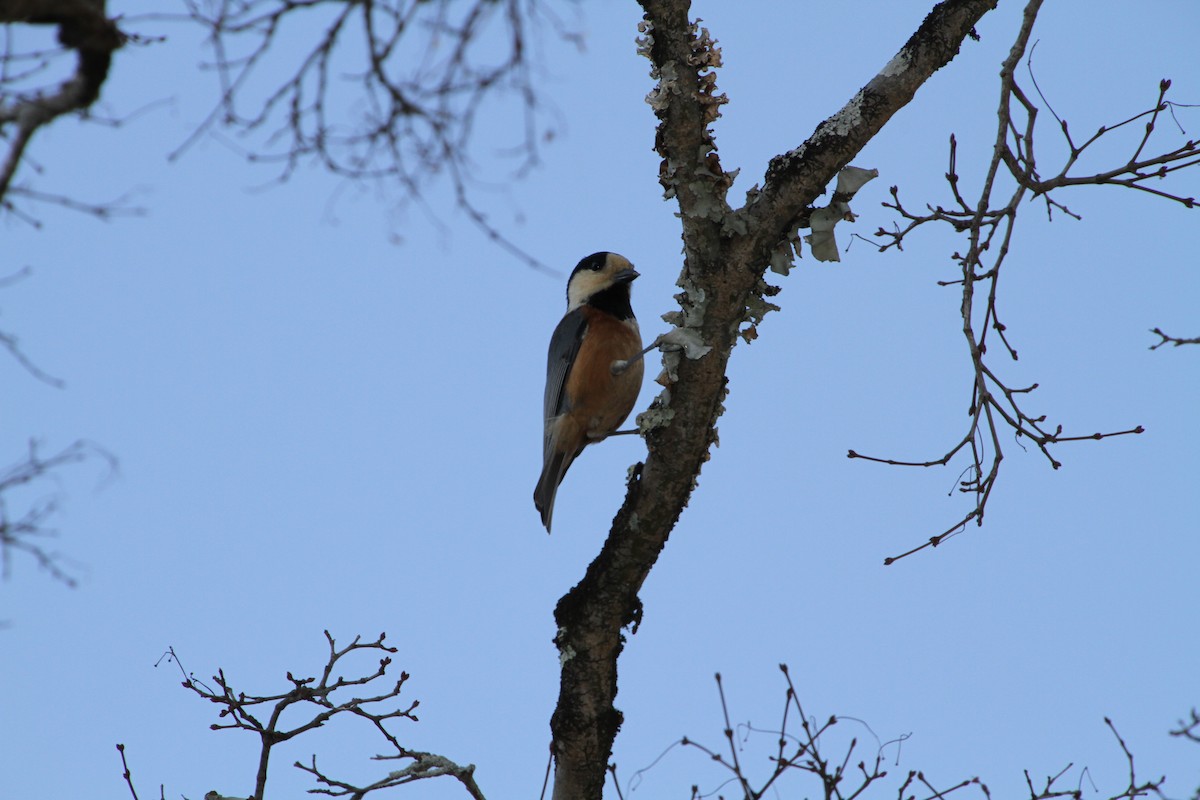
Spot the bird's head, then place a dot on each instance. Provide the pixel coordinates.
(598, 273)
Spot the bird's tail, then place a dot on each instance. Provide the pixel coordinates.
(553, 470)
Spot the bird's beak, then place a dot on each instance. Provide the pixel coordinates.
(626, 275)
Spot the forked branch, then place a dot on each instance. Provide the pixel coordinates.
(393, 92)
(319, 700)
(996, 408)
(784, 759)
(27, 532)
(1173, 340)
(29, 100)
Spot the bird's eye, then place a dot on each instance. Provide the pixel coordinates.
(596, 267)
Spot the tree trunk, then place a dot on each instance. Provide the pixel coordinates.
(726, 253)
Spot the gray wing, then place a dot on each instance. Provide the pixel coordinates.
(564, 345)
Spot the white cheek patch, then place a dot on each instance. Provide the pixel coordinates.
(584, 285)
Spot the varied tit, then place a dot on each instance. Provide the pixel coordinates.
(586, 398)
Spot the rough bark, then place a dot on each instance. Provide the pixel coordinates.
(726, 253)
(83, 27)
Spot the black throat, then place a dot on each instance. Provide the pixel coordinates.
(613, 300)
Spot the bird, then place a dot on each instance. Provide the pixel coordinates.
(593, 369)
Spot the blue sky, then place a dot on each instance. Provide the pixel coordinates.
(319, 427)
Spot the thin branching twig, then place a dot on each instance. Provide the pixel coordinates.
(996, 407)
(27, 532)
(803, 746)
(1173, 340)
(323, 698)
(31, 94)
(398, 92)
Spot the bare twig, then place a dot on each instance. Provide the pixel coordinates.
(26, 533)
(1189, 729)
(103, 211)
(1134, 789)
(262, 715)
(801, 746)
(988, 224)
(422, 766)
(391, 91)
(84, 29)
(127, 775)
(1174, 340)
(12, 344)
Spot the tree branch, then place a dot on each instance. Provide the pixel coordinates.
(988, 224)
(27, 532)
(419, 76)
(262, 715)
(726, 254)
(1174, 340)
(802, 749)
(82, 27)
(795, 179)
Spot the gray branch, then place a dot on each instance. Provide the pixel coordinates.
(82, 27)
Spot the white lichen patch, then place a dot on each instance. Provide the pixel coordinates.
(694, 302)
(785, 253)
(704, 205)
(687, 340)
(851, 179)
(821, 241)
(668, 85)
(670, 372)
(822, 221)
(658, 415)
(897, 65)
(645, 42)
(781, 260)
(734, 224)
(677, 342)
(848, 118)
